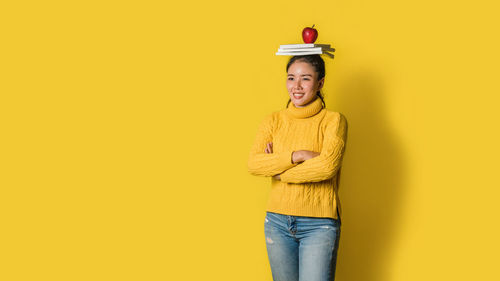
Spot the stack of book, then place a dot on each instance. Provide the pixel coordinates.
(304, 49)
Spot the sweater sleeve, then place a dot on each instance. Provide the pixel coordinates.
(261, 163)
(325, 165)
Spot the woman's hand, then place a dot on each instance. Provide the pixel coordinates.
(297, 156)
(269, 148)
(303, 155)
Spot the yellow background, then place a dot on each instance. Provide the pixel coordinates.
(126, 126)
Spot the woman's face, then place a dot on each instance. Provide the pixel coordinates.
(302, 83)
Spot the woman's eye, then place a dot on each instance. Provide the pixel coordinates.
(307, 79)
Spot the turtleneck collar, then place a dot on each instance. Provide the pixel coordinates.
(304, 112)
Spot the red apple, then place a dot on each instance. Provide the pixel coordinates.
(309, 34)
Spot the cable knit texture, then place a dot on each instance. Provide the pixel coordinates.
(309, 188)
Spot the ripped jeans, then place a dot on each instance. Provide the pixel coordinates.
(301, 248)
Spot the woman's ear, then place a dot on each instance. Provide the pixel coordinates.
(320, 83)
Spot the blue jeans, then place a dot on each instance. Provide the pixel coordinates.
(302, 248)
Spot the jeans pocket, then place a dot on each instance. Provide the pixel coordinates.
(274, 221)
(273, 217)
(328, 224)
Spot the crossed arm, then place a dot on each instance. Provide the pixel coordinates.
(261, 163)
(298, 156)
(303, 165)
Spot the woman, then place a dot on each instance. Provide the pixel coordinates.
(301, 147)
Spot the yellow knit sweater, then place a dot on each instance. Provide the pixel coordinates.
(309, 188)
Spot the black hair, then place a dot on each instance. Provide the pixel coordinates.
(319, 65)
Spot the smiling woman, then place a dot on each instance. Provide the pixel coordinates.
(301, 148)
(305, 79)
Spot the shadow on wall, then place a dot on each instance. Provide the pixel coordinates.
(372, 182)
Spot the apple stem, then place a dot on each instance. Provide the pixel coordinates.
(312, 26)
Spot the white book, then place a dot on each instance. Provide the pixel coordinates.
(299, 53)
(300, 49)
(307, 45)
